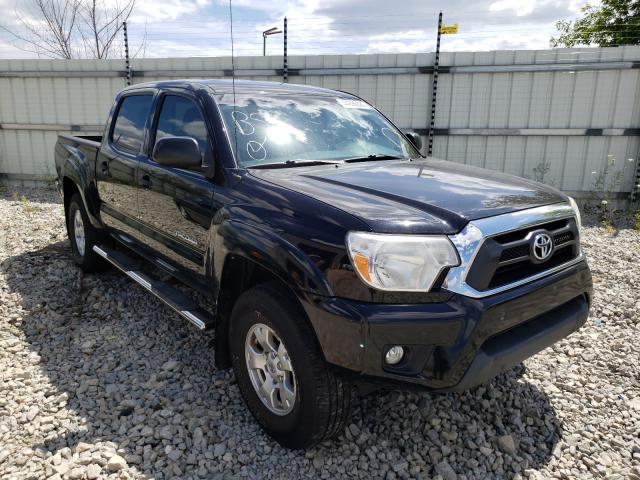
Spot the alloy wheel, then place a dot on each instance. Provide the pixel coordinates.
(270, 369)
(78, 232)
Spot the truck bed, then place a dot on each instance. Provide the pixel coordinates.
(92, 140)
(77, 152)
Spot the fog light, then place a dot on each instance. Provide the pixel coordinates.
(394, 355)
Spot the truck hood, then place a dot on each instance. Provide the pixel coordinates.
(420, 196)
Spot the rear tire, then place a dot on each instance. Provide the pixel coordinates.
(83, 236)
(321, 403)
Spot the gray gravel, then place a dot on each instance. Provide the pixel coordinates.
(99, 379)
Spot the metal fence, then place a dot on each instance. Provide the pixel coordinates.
(568, 117)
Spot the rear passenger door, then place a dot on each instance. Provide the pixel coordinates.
(118, 161)
(175, 205)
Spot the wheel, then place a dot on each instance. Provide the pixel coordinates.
(282, 375)
(83, 236)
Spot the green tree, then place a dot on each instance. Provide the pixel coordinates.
(610, 24)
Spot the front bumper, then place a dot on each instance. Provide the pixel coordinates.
(455, 344)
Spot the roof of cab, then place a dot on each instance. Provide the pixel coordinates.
(244, 87)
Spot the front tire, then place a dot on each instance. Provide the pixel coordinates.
(285, 382)
(83, 236)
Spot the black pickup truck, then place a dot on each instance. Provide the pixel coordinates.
(336, 257)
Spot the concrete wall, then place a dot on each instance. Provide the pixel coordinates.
(552, 115)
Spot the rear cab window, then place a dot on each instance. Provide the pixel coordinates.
(128, 128)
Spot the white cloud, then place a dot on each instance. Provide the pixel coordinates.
(152, 11)
(201, 27)
(505, 41)
(9, 50)
(520, 7)
(399, 47)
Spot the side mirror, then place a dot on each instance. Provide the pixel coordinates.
(180, 152)
(415, 139)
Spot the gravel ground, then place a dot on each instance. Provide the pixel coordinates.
(100, 380)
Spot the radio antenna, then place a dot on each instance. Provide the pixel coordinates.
(233, 83)
(233, 67)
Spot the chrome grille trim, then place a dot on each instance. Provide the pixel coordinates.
(473, 235)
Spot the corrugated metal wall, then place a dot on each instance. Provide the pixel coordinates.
(552, 115)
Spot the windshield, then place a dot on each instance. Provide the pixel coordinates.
(267, 129)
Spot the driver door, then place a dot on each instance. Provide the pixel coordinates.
(174, 204)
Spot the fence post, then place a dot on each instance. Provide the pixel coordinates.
(285, 66)
(126, 53)
(434, 88)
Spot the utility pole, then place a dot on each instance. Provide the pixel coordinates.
(265, 34)
(434, 88)
(285, 66)
(126, 53)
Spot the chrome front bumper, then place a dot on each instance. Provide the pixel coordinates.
(469, 241)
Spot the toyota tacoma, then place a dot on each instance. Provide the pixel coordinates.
(334, 258)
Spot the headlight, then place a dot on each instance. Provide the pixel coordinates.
(409, 263)
(574, 205)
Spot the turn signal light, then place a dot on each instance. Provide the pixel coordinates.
(362, 264)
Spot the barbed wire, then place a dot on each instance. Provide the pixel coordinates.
(345, 34)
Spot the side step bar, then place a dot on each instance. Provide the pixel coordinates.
(171, 296)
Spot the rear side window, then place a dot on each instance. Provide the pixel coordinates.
(181, 117)
(128, 130)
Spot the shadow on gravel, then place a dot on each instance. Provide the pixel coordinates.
(136, 375)
(43, 194)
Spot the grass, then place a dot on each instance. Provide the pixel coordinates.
(606, 216)
(608, 226)
(27, 206)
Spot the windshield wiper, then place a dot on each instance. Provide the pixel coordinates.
(309, 163)
(373, 156)
(295, 163)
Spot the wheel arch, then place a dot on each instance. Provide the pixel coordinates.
(239, 274)
(70, 186)
(247, 255)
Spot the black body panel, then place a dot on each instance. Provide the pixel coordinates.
(444, 339)
(419, 196)
(292, 223)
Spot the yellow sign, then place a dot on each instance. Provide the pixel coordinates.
(449, 29)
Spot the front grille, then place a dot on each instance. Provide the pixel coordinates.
(514, 252)
(517, 271)
(562, 238)
(506, 258)
(510, 237)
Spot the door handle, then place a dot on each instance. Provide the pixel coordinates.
(105, 167)
(145, 182)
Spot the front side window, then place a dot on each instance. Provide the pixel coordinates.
(181, 117)
(128, 130)
(276, 128)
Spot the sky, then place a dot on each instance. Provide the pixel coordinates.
(191, 28)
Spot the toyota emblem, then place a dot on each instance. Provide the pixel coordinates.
(542, 246)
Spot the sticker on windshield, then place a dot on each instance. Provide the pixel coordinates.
(349, 103)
